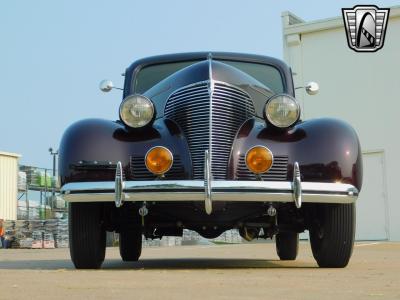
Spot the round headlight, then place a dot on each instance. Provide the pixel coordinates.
(136, 111)
(282, 111)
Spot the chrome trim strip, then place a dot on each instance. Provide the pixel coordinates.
(223, 190)
(210, 76)
(210, 117)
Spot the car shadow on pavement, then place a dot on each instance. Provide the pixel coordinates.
(160, 264)
(205, 263)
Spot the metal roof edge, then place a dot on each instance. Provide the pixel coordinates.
(10, 154)
(323, 24)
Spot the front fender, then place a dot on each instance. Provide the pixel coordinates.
(90, 149)
(327, 150)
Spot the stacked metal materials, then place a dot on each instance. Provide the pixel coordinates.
(53, 233)
(61, 238)
(37, 239)
(48, 241)
(190, 237)
(37, 228)
(150, 243)
(48, 238)
(22, 181)
(229, 237)
(23, 235)
(33, 210)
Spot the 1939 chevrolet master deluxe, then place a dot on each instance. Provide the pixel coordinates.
(210, 142)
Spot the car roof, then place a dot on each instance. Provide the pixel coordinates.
(159, 59)
(206, 54)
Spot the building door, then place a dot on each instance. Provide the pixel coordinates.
(372, 205)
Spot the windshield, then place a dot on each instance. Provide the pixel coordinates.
(151, 75)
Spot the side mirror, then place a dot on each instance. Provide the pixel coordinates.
(312, 88)
(106, 85)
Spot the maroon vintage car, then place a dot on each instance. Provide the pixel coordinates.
(210, 142)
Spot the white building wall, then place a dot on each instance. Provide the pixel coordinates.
(8, 185)
(362, 89)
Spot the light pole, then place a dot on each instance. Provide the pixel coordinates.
(53, 193)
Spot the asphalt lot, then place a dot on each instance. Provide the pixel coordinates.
(248, 271)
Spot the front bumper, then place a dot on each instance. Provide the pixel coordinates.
(209, 191)
(194, 190)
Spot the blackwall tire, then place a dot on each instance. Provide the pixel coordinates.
(130, 245)
(87, 237)
(332, 238)
(287, 245)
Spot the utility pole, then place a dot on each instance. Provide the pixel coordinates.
(53, 193)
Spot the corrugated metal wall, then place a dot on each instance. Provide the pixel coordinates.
(364, 91)
(8, 185)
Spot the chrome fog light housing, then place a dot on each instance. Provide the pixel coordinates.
(282, 110)
(259, 159)
(159, 160)
(136, 111)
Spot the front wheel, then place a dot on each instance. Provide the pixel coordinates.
(87, 237)
(130, 245)
(332, 235)
(287, 245)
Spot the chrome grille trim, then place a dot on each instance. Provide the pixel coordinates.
(278, 171)
(211, 88)
(189, 107)
(231, 108)
(210, 113)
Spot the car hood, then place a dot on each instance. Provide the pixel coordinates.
(212, 71)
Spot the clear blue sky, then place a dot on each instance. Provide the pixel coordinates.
(54, 53)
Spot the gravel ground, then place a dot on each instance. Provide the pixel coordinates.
(248, 271)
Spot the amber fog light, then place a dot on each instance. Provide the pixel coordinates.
(259, 159)
(158, 160)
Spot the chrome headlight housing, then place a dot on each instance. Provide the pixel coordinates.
(282, 110)
(136, 111)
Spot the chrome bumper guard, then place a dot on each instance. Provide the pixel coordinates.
(194, 190)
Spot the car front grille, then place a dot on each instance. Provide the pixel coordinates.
(278, 171)
(190, 108)
(210, 122)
